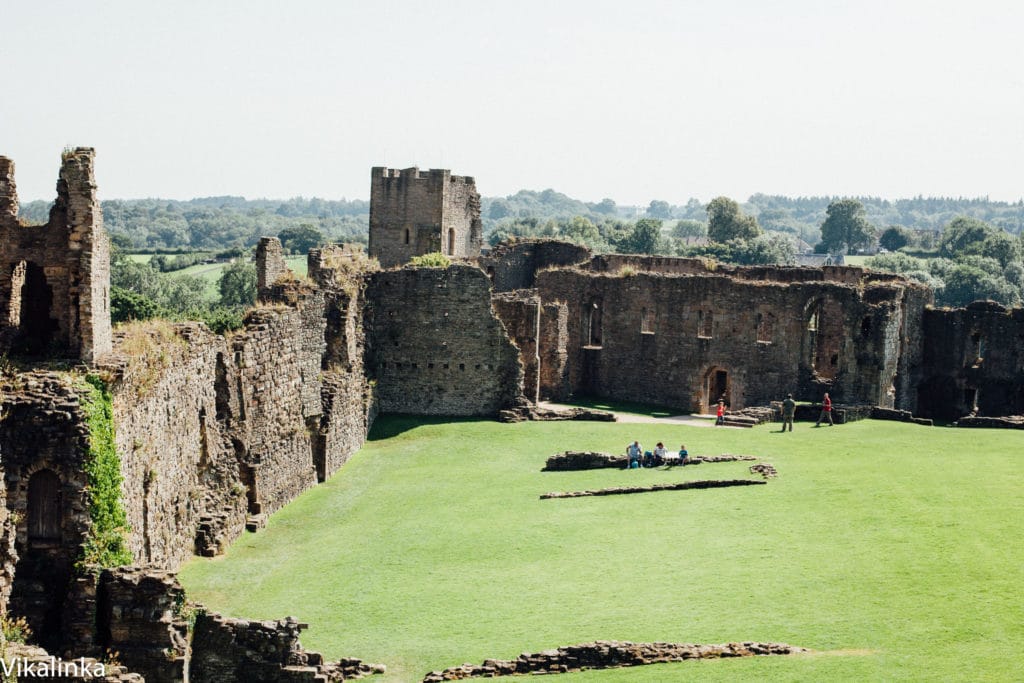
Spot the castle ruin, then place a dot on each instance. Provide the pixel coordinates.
(214, 433)
(415, 212)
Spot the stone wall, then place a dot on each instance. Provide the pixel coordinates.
(972, 362)
(175, 397)
(241, 651)
(540, 333)
(686, 341)
(44, 440)
(270, 263)
(55, 278)
(414, 212)
(435, 345)
(514, 264)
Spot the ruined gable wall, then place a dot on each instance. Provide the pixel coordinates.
(668, 363)
(69, 258)
(514, 265)
(950, 373)
(435, 346)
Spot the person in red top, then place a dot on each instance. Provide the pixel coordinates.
(721, 414)
(826, 412)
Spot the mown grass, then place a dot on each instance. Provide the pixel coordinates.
(892, 550)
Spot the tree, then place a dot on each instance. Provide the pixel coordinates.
(659, 209)
(894, 238)
(846, 226)
(582, 231)
(686, 227)
(645, 237)
(237, 284)
(607, 207)
(301, 239)
(726, 221)
(964, 235)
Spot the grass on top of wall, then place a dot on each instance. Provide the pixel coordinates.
(893, 550)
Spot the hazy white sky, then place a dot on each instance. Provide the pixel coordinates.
(633, 99)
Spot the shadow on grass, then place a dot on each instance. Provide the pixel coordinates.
(624, 406)
(391, 425)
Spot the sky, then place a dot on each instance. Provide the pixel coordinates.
(633, 100)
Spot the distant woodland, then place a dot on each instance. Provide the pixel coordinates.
(965, 249)
(232, 222)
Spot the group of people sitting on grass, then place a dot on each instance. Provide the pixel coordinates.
(637, 457)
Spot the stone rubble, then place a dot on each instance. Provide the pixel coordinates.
(681, 486)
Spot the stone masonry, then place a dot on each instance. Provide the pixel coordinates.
(415, 212)
(55, 278)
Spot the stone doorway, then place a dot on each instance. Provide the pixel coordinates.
(716, 386)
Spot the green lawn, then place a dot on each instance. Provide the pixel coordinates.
(892, 550)
(211, 271)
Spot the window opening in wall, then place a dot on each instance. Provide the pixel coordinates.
(865, 326)
(592, 324)
(44, 508)
(451, 241)
(705, 323)
(813, 320)
(647, 321)
(407, 235)
(765, 325)
(977, 352)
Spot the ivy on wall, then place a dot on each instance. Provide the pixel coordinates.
(105, 545)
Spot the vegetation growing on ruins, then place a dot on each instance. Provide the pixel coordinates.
(433, 260)
(887, 547)
(106, 545)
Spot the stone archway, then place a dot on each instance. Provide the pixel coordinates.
(31, 307)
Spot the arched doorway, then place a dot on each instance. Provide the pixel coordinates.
(592, 323)
(44, 512)
(716, 386)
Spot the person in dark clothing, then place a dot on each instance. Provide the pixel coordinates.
(788, 410)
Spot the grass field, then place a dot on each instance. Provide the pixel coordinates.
(211, 272)
(894, 551)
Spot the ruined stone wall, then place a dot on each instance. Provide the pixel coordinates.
(685, 341)
(435, 345)
(270, 263)
(414, 212)
(514, 265)
(972, 361)
(671, 265)
(540, 332)
(43, 437)
(55, 279)
(175, 402)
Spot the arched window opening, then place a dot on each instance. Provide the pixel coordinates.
(31, 304)
(407, 235)
(451, 241)
(592, 324)
(44, 507)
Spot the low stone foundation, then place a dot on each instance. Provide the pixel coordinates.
(536, 414)
(682, 486)
(1008, 422)
(240, 651)
(605, 654)
(766, 470)
(880, 413)
(591, 460)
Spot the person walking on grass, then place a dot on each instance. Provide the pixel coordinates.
(788, 410)
(826, 412)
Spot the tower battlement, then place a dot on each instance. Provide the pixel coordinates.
(415, 212)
